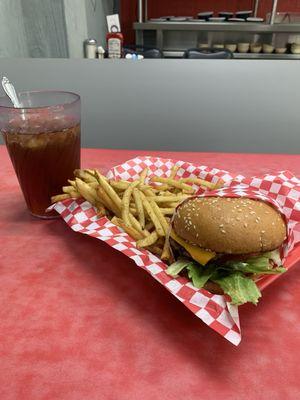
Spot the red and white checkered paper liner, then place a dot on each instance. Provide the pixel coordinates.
(281, 190)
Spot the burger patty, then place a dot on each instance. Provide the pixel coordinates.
(180, 251)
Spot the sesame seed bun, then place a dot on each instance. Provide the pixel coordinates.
(230, 225)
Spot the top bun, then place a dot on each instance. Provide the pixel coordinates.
(230, 225)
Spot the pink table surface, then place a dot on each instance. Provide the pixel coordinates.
(79, 321)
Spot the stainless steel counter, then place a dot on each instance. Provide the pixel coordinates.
(175, 37)
(217, 27)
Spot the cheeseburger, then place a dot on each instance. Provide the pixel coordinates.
(225, 245)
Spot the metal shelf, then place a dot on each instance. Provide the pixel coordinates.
(241, 56)
(264, 56)
(217, 27)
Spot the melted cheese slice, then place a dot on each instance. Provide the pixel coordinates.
(198, 254)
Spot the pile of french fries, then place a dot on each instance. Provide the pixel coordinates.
(142, 207)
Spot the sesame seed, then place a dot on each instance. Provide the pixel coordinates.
(221, 225)
(252, 212)
(222, 230)
(238, 218)
(245, 224)
(263, 231)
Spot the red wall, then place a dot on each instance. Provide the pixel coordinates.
(158, 8)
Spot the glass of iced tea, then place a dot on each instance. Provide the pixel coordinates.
(43, 141)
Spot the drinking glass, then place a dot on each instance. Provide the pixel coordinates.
(43, 142)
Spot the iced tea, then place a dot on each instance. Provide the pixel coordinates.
(44, 147)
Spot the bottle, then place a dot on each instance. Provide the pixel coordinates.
(90, 48)
(114, 40)
(100, 52)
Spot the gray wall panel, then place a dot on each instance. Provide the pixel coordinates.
(45, 28)
(13, 41)
(210, 105)
(51, 28)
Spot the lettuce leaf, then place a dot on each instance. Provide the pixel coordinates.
(232, 275)
(178, 266)
(256, 265)
(240, 288)
(199, 276)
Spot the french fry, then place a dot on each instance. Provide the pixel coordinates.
(126, 202)
(143, 175)
(139, 207)
(159, 229)
(109, 191)
(83, 175)
(148, 190)
(166, 253)
(220, 183)
(201, 182)
(72, 183)
(167, 210)
(174, 171)
(120, 185)
(174, 183)
(133, 209)
(94, 184)
(74, 194)
(160, 216)
(148, 241)
(135, 223)
(90, 172)
(167, 193)
(101, 208)
(59, 197)
(159, 187)
(68, 189)
(167, 199)
(128, 229)
(149, 225)
(174, 204)
(123, 185)
(101, 212)
(107, 201)
(87, 192)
